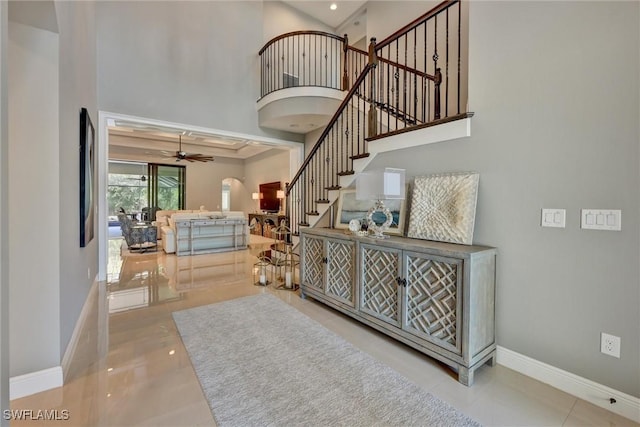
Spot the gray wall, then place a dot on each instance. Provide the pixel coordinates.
(185, 62)
(555, 89)
(33, 98)
(78, 266)
(52, 75)
(4, 215)
(386, 17)
(280, 18)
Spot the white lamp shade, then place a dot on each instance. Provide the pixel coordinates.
(384, 184)
(280, 194)
(255, 196)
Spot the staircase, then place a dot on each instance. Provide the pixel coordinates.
(413, 81)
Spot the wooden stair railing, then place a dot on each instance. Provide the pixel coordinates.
(401, 88)
(329, 158)
(424, 68)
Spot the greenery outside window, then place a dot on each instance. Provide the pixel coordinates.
(136, 187)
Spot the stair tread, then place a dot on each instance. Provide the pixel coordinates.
(359, 156)
(335, 187)
(346, 173)
(312, 213)
(323, 201)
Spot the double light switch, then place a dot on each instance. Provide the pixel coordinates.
(554, 218)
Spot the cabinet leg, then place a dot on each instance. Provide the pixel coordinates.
(465, 376)
(302, 294)
(492, 360)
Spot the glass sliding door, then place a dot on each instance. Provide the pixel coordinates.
(166, 187)
(127, 189)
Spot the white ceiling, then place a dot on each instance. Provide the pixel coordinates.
(320, 10)
(129, 139)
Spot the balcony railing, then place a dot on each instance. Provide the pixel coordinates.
(309, 58)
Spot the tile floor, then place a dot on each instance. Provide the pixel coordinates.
(131, 369)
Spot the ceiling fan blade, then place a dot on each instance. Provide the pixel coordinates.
(201, 158)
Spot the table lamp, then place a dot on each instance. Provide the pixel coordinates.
(280, 196)
(380, 185)
(256, 196)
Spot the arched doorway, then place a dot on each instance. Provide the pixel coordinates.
(232, 194)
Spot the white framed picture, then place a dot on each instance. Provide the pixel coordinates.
(349, 208)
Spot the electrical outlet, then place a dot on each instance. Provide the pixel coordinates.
(610, 345)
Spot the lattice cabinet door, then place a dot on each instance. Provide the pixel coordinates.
(340, 270)
(379, 285)
(432, 299)
(313, 262)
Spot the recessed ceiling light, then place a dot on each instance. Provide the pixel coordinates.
(333, 6)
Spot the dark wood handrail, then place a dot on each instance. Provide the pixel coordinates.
(416, 22)
(327, 129)
(299, 33)
(409, 69)
(355, 49)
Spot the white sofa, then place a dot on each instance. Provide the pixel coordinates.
(166, 223)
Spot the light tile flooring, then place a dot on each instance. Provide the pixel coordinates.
(131, 368)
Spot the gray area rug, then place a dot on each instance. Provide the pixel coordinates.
(261, 362)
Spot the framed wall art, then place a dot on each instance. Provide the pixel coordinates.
(443, 207)
(87, 178)
(350, 208)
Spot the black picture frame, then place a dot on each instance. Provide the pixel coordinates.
(87, 178)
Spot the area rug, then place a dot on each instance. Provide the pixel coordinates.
(261, 362)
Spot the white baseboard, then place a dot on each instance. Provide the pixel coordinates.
(626, 405)
(35, 382)
(75, 336)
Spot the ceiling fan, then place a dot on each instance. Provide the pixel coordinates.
(181, 155)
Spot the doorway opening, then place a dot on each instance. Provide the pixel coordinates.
(141, 189)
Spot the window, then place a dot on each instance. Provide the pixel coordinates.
(139, 187)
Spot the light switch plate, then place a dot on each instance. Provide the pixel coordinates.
(601, 219)
(553, 218)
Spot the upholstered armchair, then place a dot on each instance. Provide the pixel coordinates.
(139, 237)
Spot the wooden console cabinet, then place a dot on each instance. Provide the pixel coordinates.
(438, 298)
